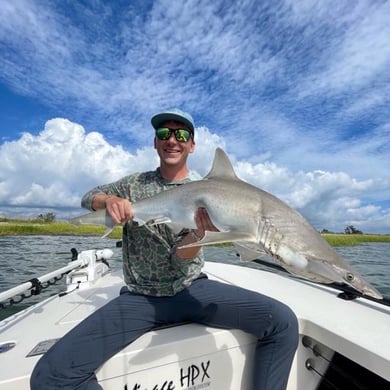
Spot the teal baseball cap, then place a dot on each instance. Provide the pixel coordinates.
(174, 114)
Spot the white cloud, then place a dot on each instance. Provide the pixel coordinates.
(355, 54)
(54, 168)
(328, 200)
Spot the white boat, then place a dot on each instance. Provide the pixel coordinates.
(344, 344)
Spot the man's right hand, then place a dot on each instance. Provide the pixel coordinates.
(120, 209)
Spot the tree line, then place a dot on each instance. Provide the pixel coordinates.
(350, 229)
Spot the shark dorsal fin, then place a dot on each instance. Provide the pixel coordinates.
(222, 167)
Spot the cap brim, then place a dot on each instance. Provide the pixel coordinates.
(160, 118)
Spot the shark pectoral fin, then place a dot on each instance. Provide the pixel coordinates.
(248, 252)
(211, 238)
(107, 232)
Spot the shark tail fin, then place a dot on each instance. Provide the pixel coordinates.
(107, 232)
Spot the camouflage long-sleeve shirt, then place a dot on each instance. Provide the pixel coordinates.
(150, 264)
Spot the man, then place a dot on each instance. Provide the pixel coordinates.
(164, 284)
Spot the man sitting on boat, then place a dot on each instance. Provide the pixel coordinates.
(165, 284)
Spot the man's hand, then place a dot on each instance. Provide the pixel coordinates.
(120, 209)
(203, 223)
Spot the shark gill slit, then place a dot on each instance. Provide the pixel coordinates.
(269, 236)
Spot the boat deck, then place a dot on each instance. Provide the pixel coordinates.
(190, 355)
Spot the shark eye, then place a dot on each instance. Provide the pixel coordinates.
(349, 277)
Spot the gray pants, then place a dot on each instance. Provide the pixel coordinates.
(71, 363)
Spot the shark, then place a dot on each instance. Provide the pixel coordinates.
(255, 221)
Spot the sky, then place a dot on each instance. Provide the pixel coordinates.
(296, 92)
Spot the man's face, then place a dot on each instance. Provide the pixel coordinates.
(171, 151)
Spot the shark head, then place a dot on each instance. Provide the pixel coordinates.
(353, 279)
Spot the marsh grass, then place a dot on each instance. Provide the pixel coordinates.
(54, 228)
(23, 227)
(335, 239)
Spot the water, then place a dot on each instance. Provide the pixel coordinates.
(26, 257)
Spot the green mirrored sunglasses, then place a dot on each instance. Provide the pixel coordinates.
(181, 135)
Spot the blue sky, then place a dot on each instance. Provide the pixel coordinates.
(296, 92)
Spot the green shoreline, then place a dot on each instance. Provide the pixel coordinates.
(26, 228)
(12, 228)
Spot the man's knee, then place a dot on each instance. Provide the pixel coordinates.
(288, 325)
(46, 376)
(39, 375)
(51, 370)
